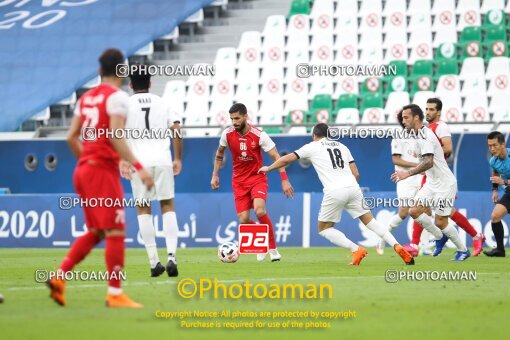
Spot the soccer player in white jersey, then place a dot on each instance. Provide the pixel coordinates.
(150, 114)
(438, 192)
(404, 158)
(339, 175)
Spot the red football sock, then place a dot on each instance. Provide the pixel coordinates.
(114, 254)
(252, 221)
(80, 248)
(417, 231)
(265, 220)
(463, 222)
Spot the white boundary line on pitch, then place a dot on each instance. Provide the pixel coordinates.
(146, 283)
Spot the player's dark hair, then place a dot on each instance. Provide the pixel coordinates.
(238, 107)
(400, 119)
(140, 79)
(496, 135)
(109, 60)
(321, 130)
(437, 101)
(415, 110)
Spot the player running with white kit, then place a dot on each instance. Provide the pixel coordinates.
(439, 190)
(404, 158)
(339, 175)
(149, 113)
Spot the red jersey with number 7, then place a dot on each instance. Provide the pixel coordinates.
(246, 153)
(95, 108)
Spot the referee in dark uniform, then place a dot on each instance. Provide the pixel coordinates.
(500, 164)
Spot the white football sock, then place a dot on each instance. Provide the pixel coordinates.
(114, 290)
(382, 231)
(453, 235)
(170, 229)
(149, 238)
(338, 238)
(395, 221)
(426, 222)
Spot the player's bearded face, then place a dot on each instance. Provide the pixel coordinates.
(408, 121)
(239, 121)
(431, 112)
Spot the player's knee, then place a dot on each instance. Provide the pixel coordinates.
(415, 212)
(495, 217)
(243, 218)
(260, 211)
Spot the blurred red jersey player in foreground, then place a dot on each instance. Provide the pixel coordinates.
(97, 176)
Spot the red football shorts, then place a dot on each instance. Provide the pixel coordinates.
(244, 194)
(93, 181)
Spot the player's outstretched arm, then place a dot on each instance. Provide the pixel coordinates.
(287, 188)
(215, 180)
(177, 141)
(73, 136)
(280, 162)
(120, 145)
(397, 160)
(424, 165)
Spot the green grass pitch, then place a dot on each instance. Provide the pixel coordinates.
(411, 309)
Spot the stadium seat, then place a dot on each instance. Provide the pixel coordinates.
(472, 85)
(42, 116)
(271, 97)
(348, 8)
(446, 51)
(495, 42)
(296, 56)
(499, 107)
(372, 55)
(346, 85)
(464, 5)
(445, 67)
(396, 100)
(146, 51)
(248, 64)
(275, 25)
(296, 95)
(472, 68)
(445, 28)
(225, 58)
(395, 45)
(197, 100)
(420, 97)
(298, 31)
(247, 93)
(420, 22)
(468, 18)
(298, 131)
(400, 84)
(489, 5)
(419, 6)
(498, 66)
(299, 7)
(321, 85)
(349, 116)
(371, 85)
(222, 95)
(323, 24)
(369, 100)
(499, 85)
(507, 8)
(394, 6)
(322, 49)
(174, 93)
(250, 39)
(173, 35)
(494, 17)
(296, 117)
(420, 43)
(475, 107)
(371, 8)
(396, 84)
(421, 76)
(321, 7)
(347, 101)
(371, 22)
(196, 18)
(442, 6)
(423, 67)
(346, 25)
(373, 115)
(448, 90)
(346, 49)
(69, 100)
(272, 71)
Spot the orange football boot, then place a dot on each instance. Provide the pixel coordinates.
(404, 254)
(57, 289)
(121, 301)
(358, 255)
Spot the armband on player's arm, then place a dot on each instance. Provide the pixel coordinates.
(138, 166)
(283, 175)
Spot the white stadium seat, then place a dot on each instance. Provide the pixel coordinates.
(420, 44)
(498, 66)
(297, 56)
(373, 115)
(222, 97)
(250, 39)
(371, 23)
(395, 44)
(346, 84)
(275, 25)
(347, 117)
(271, 96)
(69, 100)
(346, 49)
(298, 31)
(448, 90)
(320, 7)
(468, 17)
(393, 6)
(476, 108)
(322, 49)
(420, 22)
(321, 85)
(464, 5)
(346, 25)
(499, 107)
(419, 6)
(445, 28)
(174, 94)
(396, 100)
(196, 18)
(248, 93)
(473, 84)
(420, 97)
(225, 58)
(443, 5)
(323, 24)
(370, 7)
(42, 116)
(296, 95)
(348, 7)
(498, 85)
(472, 67)
(146, 51)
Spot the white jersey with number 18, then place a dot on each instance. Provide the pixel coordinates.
(331, 161)
(150, 116)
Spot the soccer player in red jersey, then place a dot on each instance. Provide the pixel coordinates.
(442, 132)
(250, 188)
(101, 110)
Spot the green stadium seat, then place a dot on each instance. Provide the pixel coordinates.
(471, 33)
(423, 67)
(495, 42)
(447, 67)
(273, 130)
(494, 17)
(447, 51)
(347, 101)
(423, 82)
(397, 82)
(296, 117)
(471, 42)
(495, 33)
(369, 100)
(371, 85)
(299, 7)
(321, 110)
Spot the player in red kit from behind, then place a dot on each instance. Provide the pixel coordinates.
(250, 188)
(98, 114)
(442, 132)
